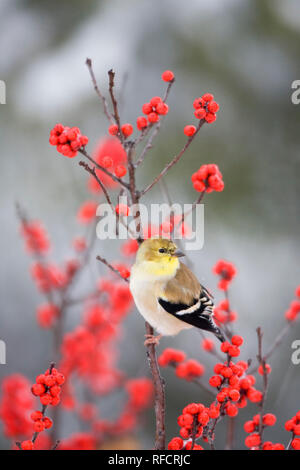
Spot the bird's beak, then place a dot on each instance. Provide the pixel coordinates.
(178, 254)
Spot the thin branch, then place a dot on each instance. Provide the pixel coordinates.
(94, 174)
(174, 161)
(159, 391)
(111, 75)
(100, 167)
(262, 362)
(110, 266)
(97, 89)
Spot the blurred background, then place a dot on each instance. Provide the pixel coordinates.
(244, 51)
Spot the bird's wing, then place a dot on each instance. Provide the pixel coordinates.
(186, 299)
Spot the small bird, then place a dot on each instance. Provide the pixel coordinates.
(167, 293)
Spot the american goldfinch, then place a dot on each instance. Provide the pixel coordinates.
(167, 293)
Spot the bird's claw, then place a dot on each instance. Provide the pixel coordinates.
(151, 339)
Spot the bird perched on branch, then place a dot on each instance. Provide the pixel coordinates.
(167, 293)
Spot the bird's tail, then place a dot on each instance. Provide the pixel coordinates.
(218, 333)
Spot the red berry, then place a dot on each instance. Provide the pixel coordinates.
(231, 409)
(60, 379)
(39, 426)
(234, 394)
(175, 444)
(55, 390)
(225, 346)
(147, 108)
(106, 162)
(213, 107)
(237, 340)
(210, 118)
(208, 344)
(141, 123)
(296, 443)
(269, 419)
(189, 130)
(253, 440)
(153, 117)
(200, 113)
(127, 130)
(45, 399)
(120, 171)
(207, 97)
(267, 369)
(27, 445)
(215, 381)
(167, 76)
(47, 422)
(38, 389)
(36, 415)
(198, 103)
(162, 108)
(249, 426)
(155, 100)
(113, 129)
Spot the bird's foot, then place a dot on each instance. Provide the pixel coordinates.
(151, 339)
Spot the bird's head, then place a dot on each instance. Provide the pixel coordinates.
(159, 250)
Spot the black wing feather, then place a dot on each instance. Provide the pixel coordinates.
(198, 318)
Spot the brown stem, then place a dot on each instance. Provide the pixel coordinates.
(111, 75)
(100, 167)
(174, 161)
(262, 362)
(159, 394)
(110, 266)
(97, 89)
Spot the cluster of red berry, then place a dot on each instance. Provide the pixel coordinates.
(48, 387)
(206, 108)
(226, 271)
(293, 426)
(67, 140)
(294, 309)
(193, 420)
(208, 178)
(153, 109)
(252, 427)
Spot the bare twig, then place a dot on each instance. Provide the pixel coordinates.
(174, 161)
(94, 174)
(97, 89)
(110, 266)
(262, 362)
(100, 167)
(111, 75)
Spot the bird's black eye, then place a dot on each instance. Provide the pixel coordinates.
(162, 250)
